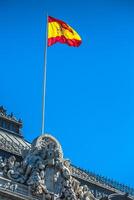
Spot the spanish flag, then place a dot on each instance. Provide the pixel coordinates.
(59, 31)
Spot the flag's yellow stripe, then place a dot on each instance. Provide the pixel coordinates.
(55, 29)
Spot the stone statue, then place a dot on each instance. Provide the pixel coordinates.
(37, 182)
(87, 195)
(2, 163)
(3, 111)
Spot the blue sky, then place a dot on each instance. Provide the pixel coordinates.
(90, 89)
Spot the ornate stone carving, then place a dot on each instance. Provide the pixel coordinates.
(10, 186)
(45, 171)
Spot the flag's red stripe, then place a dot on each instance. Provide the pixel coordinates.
(52, 19)
(63, 40)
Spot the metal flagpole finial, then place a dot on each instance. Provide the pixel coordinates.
(44, 80)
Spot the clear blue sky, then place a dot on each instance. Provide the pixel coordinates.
(90, 89)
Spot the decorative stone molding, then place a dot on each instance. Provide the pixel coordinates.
(116, 197)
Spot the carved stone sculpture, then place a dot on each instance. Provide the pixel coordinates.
(45, 171)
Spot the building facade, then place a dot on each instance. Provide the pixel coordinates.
(38, 170)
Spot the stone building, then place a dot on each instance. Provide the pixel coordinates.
(38, 170)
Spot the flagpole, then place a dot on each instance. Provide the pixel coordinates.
(44, 81)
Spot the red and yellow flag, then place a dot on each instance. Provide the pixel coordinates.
(59, 31)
